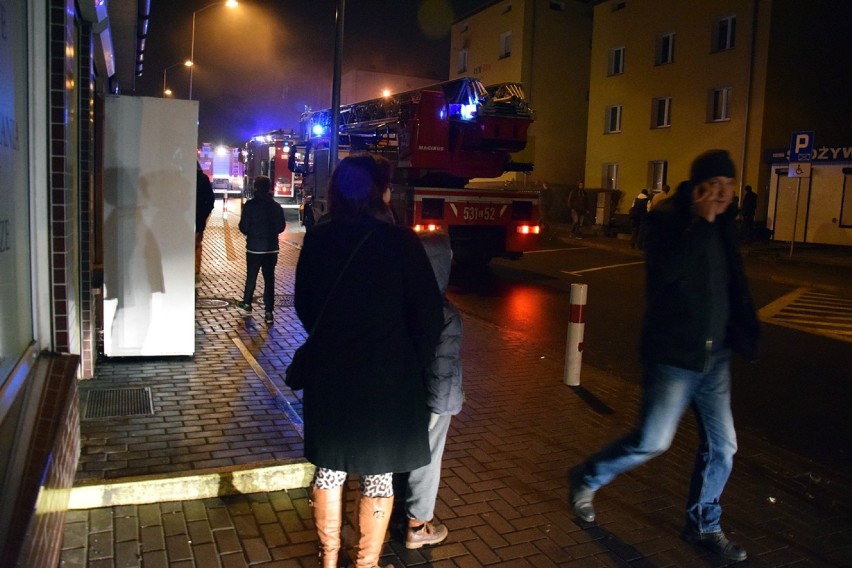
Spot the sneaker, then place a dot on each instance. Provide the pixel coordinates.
(717, 543)
(268, 317)
(581, 495)
(243, 306)
(424, 535)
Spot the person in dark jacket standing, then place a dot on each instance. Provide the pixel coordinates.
(698, 311)
(445, 397)
(261, 222)
(749, 208)
(364, 401)
(204, 202)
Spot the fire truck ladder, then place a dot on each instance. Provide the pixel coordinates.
(368, 117)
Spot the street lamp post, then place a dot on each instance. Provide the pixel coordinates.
(166, 90)
(229, 4)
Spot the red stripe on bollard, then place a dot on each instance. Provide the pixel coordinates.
(577, 314)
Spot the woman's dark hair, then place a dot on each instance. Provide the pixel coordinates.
(357, 186)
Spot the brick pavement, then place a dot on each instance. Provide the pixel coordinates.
(503, 494)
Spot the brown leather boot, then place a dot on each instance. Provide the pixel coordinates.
(327, 506)
(373, 518)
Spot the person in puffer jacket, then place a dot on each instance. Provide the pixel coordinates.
(444, 397)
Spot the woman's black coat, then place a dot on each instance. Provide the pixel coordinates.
(364, 399)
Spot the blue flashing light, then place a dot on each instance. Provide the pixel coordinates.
(464, 112)
(318, 130)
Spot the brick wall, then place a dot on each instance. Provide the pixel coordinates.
(35, 539)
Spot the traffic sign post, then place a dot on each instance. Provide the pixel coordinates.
(801, 149)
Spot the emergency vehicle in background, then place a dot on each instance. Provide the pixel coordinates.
(438, 138)
(222, 165)
(267, 155)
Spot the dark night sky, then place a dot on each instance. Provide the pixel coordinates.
(259, 65)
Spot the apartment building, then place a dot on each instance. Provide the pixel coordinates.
(670, 79)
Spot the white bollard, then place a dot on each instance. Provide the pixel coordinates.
(576, 326)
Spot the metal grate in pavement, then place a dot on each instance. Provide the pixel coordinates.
(112, 403)
(210, 303)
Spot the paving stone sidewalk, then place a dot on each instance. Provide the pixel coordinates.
(503, 493)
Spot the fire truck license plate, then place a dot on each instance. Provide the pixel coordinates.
(479, 213)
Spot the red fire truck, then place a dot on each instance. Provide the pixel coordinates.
(267, 154)
(439, 138)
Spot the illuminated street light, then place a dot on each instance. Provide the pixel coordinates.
(166, 91)
(229, 4)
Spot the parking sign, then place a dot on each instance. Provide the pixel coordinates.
(801, 149)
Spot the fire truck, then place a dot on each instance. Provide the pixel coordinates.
(222, 165)
(439, 138)
(268, 155)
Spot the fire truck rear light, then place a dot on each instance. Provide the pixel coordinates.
(430, 228)
(528, 229)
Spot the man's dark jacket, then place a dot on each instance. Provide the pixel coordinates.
(680, 303)
(261, 221)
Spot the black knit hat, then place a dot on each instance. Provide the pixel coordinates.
(712, 164)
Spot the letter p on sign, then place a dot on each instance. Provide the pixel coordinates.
(801, 146)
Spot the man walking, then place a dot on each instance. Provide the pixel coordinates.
(261, 221)
(578, 205)
(700, 310)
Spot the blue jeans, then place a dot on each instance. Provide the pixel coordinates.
(668, 392)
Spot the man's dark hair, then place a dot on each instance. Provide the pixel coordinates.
(262, 184)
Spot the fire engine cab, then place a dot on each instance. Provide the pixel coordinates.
(439, 138)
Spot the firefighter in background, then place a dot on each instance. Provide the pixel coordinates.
(306, 210)
(204, 201)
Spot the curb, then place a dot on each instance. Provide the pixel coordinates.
(195, 485)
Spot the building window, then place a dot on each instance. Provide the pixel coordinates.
(610, 176)
(616, 61)
(462, 61)
(665, 49)
(719, 105)
(619, 6)
(725, 33)
(613, 119)
(507, 8)
(557, 5)
(657, 171)
(661, 112)
(505, 45)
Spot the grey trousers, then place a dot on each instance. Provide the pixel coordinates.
(423, 482)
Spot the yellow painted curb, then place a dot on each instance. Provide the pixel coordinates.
(193, 485)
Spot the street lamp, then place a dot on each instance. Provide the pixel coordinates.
(229, 4)
(166, 90)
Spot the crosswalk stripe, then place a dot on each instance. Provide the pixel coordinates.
(811, 311)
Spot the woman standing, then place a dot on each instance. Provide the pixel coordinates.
(364, 399)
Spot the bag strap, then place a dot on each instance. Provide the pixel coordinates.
(337, 281)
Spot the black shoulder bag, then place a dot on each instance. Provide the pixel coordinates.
(295, 375)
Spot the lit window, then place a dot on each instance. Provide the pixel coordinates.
(616, 61)
(610, 176)
(661, 112)
(462, 61)
(505, 45)
(719, 105)
(725, 33)
(613, 119)
(665, 49)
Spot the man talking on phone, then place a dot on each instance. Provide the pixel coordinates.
(698, 311)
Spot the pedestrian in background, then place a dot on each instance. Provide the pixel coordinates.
(638, 214)
(700, 310)
(204, 202)
(262, 220)
(364, 401)
(748, 210)
(444, 397)
(659, 196)
(579, 206)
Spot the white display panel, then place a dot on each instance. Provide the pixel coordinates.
(149, 226)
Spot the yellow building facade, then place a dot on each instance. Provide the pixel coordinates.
(545, 46)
